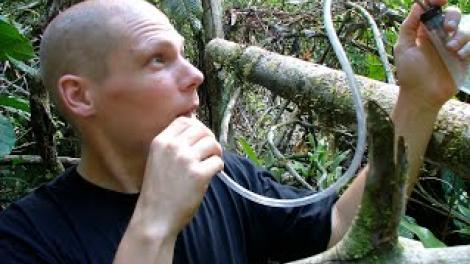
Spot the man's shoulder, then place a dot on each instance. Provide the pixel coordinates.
(241, 169)
(39, 206)
(31, 227)
(234, 161)
(252, 176)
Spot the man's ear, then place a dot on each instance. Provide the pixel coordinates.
(76, 95)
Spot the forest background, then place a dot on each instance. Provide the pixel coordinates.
(318, 150)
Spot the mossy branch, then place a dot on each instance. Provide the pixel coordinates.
(373, 236)
(313, 86)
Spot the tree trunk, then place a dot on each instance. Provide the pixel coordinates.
(373, 236)
(41, 118)
(215, 93)
(43, 127)
(313, 86)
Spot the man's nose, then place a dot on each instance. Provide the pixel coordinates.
(191, 77)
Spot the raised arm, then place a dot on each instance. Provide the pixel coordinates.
(425, 85)
(181, 162)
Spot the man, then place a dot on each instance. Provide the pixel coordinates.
(144, 191)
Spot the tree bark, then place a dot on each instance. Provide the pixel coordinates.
(216, 95)
(212, 19)
(373, 236)
(41, 118)
(33, 159)
(313, 86)
(43, 127)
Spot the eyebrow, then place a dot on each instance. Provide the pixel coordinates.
(144, 51)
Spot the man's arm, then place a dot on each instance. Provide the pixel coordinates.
(181, 162)
(425, 86)
(415, 124)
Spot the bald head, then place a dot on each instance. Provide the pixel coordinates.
(80, 40)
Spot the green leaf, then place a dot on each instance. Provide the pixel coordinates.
(300, 168)
(464, 231)
(464, 210)
(23, 67)
(194, 7)
(249, 151)
(402, 231)
(7, 136)
(425, 236)
(14, 102)
(13, 43)
(182, 10)
(375, 68)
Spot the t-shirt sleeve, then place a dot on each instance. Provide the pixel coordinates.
(17, 240)
(282, 234)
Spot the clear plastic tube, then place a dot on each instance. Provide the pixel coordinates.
(361, 134)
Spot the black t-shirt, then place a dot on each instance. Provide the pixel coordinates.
(73, 221)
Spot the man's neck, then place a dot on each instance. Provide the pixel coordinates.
(111, 169)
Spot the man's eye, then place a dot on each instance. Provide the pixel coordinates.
(158, 60)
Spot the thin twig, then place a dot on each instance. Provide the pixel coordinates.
(279, 155)
(442, 212)
(340, 30)
(35, 159)
(378, 41)
(438, 205)
(224, 128)
(281, 141)
(276, 119)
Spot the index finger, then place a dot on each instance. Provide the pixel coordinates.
(176, 127)
(452, 18)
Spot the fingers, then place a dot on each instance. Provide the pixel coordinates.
(212, 165)
(452, 18)
(464, 52)
(176, 127)
(409, 29)
(196, 131)
(459, 42)
(188, 129)
(435, 2)
(188, 139)
(207, 147)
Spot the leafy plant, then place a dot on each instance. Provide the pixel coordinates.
(409, 226)
(375, 68)
(7, 136)
(13, 44)
(182, 10)
(456, 196)
(15, 47)
(324, 163)
(249, 151)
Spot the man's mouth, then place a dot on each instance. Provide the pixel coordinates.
(192, 113)
(189, 114)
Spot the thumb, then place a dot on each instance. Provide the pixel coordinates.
(409, 28)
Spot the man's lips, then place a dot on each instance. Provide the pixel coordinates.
(190, 112)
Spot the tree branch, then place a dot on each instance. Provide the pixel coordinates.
(35, 159)
(324, 89)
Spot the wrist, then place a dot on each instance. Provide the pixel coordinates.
(419, 103)
(150, 234)
(150, 224)
(141, 244)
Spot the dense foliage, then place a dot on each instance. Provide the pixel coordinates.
(319, 150)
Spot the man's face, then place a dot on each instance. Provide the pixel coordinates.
(149, 84)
